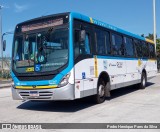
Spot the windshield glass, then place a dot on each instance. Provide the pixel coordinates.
(41, 52)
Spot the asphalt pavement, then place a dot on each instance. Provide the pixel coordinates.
(127, 105)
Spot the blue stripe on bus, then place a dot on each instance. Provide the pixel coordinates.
(119, 58)
(30, 83)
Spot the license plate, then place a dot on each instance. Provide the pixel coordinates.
(34, 94)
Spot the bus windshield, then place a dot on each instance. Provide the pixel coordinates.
(42, 51)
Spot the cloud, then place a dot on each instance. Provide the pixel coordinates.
(20, 8)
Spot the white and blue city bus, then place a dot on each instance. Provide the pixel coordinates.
(70, 56)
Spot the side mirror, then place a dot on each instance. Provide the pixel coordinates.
(4, 45)
(82, 35)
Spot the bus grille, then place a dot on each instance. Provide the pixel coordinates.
(43, 95)
(35, 78)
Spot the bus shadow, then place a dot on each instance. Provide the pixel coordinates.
(56, 106)
(75, 105)
(126, 90)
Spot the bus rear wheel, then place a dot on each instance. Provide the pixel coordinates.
(100, 97)
(142, 85)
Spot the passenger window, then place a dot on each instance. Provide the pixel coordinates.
(138, 47)
(145, 50)
(101, 50)
(81, 48)
(84, 47)
(87, 46)
(117, 45)
(152, 50)
(107, 42)
(129, 48)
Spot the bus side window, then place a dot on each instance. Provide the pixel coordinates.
(107, 43)
(145, 50)
(85, 46)
(100, 39)
(138, 47)
(81, 48)
(117, 44)
(152, 51)
(129, 48)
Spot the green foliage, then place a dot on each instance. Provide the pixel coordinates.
(158, 54)
(158, 41)
(158, 47)
(150, 36)
(5, 74)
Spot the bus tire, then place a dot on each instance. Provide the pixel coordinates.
(142, 85)
(100, 97)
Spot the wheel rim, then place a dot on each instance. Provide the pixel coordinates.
(101, 91)
(144, 81)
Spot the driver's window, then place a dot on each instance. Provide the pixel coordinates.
(82, 48)
(87, 44)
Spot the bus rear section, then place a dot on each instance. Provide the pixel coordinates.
(109, 59)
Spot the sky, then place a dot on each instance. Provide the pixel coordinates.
(135, 16)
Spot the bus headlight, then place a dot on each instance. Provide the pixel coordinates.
(12, 84)
(64, 80)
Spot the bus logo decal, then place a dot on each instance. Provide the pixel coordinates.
(139, 62)
(41, 58)
(119, 64)
(105, 64)
(30, 69)
(38, 67)
(95, 66)
(83, 75)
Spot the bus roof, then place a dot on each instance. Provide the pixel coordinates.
(44, 17)
(93, 21)
(111, 27)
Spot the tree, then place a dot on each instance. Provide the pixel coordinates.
(158, 41)
(150, 36)
(158, 53)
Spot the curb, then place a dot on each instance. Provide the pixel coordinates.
(5, 86)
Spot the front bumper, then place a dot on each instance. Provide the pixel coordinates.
(63, 93)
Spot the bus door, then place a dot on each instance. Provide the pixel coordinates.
(83, 61)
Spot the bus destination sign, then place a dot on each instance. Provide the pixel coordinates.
(40, 25)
